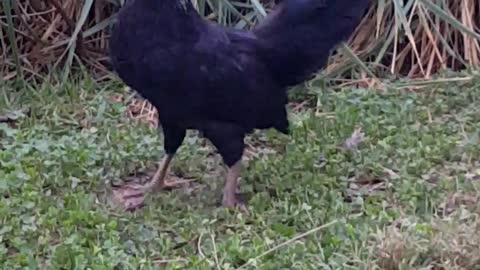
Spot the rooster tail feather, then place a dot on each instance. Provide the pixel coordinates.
(297, 38)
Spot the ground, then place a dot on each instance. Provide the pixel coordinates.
(369, 179)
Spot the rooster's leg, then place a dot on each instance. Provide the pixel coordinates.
(133, 196)
(230, 198)
(158, 180)
(228, 138)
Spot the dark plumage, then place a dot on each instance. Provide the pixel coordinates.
(220, 81)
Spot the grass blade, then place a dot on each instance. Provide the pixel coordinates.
(72, 43)
(450, 19)
(8, 7)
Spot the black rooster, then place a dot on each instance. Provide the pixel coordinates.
(220, 81)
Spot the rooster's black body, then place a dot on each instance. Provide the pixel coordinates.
(220, 81)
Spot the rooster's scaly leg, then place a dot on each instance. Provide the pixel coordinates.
(133, 196)
(230, 198)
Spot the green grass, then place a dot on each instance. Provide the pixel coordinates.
(406, 198)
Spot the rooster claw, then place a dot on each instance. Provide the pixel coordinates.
(237, 202)
(132, 196)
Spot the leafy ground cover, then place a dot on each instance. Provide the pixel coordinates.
(368, 180)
